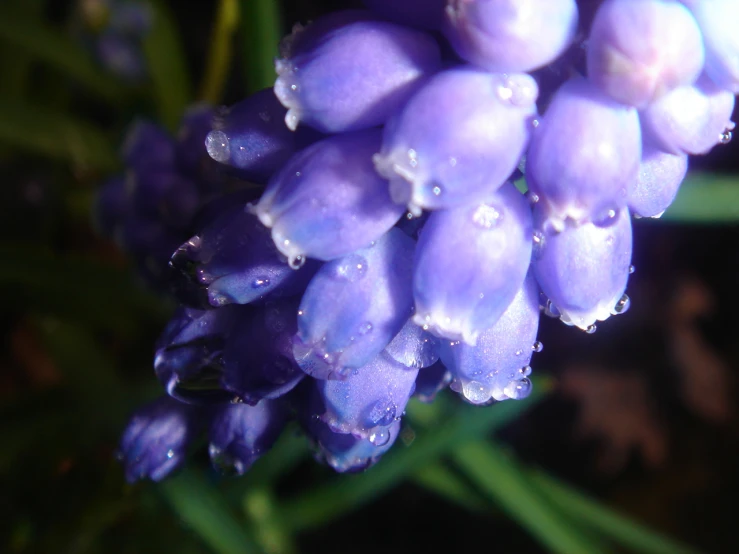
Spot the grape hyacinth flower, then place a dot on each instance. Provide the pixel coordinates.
(319, 298)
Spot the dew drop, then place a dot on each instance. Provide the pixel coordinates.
(352, 268)
(622, 306)
(170, 454)
(486, 217)
(533, 197)
(632, 269)
(726, 136)
(475, 392)
(591, 329)
(518, 390)
(538, 247)
(519, 352)
(538, 346)
(260, 283)
(551, 310)
(525, 371)
(216, 144)
(436, 190)
(382, 413)
(365, 328)
(296, 262)
(606, 218)
(380, 437)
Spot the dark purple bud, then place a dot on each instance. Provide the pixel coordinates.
(497, 367)
(470, 262)
(690, 119)
(369, 400)
(111, 206)
(426, 14)
(510, 35)
(252, 137)
(328, 201)
(354, 306)
(639, 50)
(458, 138)
(348, 74)
(660, 176)
(234, 260)
(148, 147)
(189, 354)
(156, 439)
(584, 270)
(258, 357)
(584, 155)
(240, 434)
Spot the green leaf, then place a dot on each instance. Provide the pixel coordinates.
(56, 135)
(594, 514)
(346, 492)
(438, 478)
(261, 32)
(33, 36)
(220, 54)
(203, 510)
(167, 68)
(505, 483)
(706, 198)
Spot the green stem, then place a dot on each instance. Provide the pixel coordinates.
(221, 52)
(706, 198)
(262, 30)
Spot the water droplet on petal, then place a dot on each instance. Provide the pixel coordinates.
(217, 146)
(170, 454)
(591, 329)
(622, 306)
(518, 390)
(260, 283)
(525, 371)
(538, 246)
(365, 328)
(538, 346)
(475, 392)
(382, 413)
(551, 310)
(296, 262)
(486, 216)
(726, 136)
(380, 437)
(632, 269)
(353, 268)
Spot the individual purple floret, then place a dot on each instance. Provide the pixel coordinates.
(584, 155)
(156, 439)
(189, 354)
(584, 270)
(251, 136)
(346, 453)
(639, 50)
(354, 306)
(690, 119)
(414, 347)
(368, 401)
(234, 260)
(426, 14)
(458, 138)
(470, 261)
(717, 20)
(660, 176)
(239, 434)
(328, 201)
(510, 35)
(343, 73)
(497, 367)
(431, 380)
(257, 357)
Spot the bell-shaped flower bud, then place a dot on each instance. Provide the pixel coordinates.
(147, 147)
(239, 434)
(431, 380)
(510, 35)
(156, 439)
(458, 138)
(660, 176)
(367, 402)
(497, 367)
(584, 155)
(346, 72)
(690, 119)
(584, 270)
(414, 347)
(354, 306)
(189, 354)
(234, 260)
(252, 137)
(470, 262)
(717, 20)
(639, 50)
(426, 14)
(258, 358)
(328, 201)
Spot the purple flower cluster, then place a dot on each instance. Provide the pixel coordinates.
(151, 207)
(390, 253)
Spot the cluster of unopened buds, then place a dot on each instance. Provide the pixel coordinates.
(393, 252)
